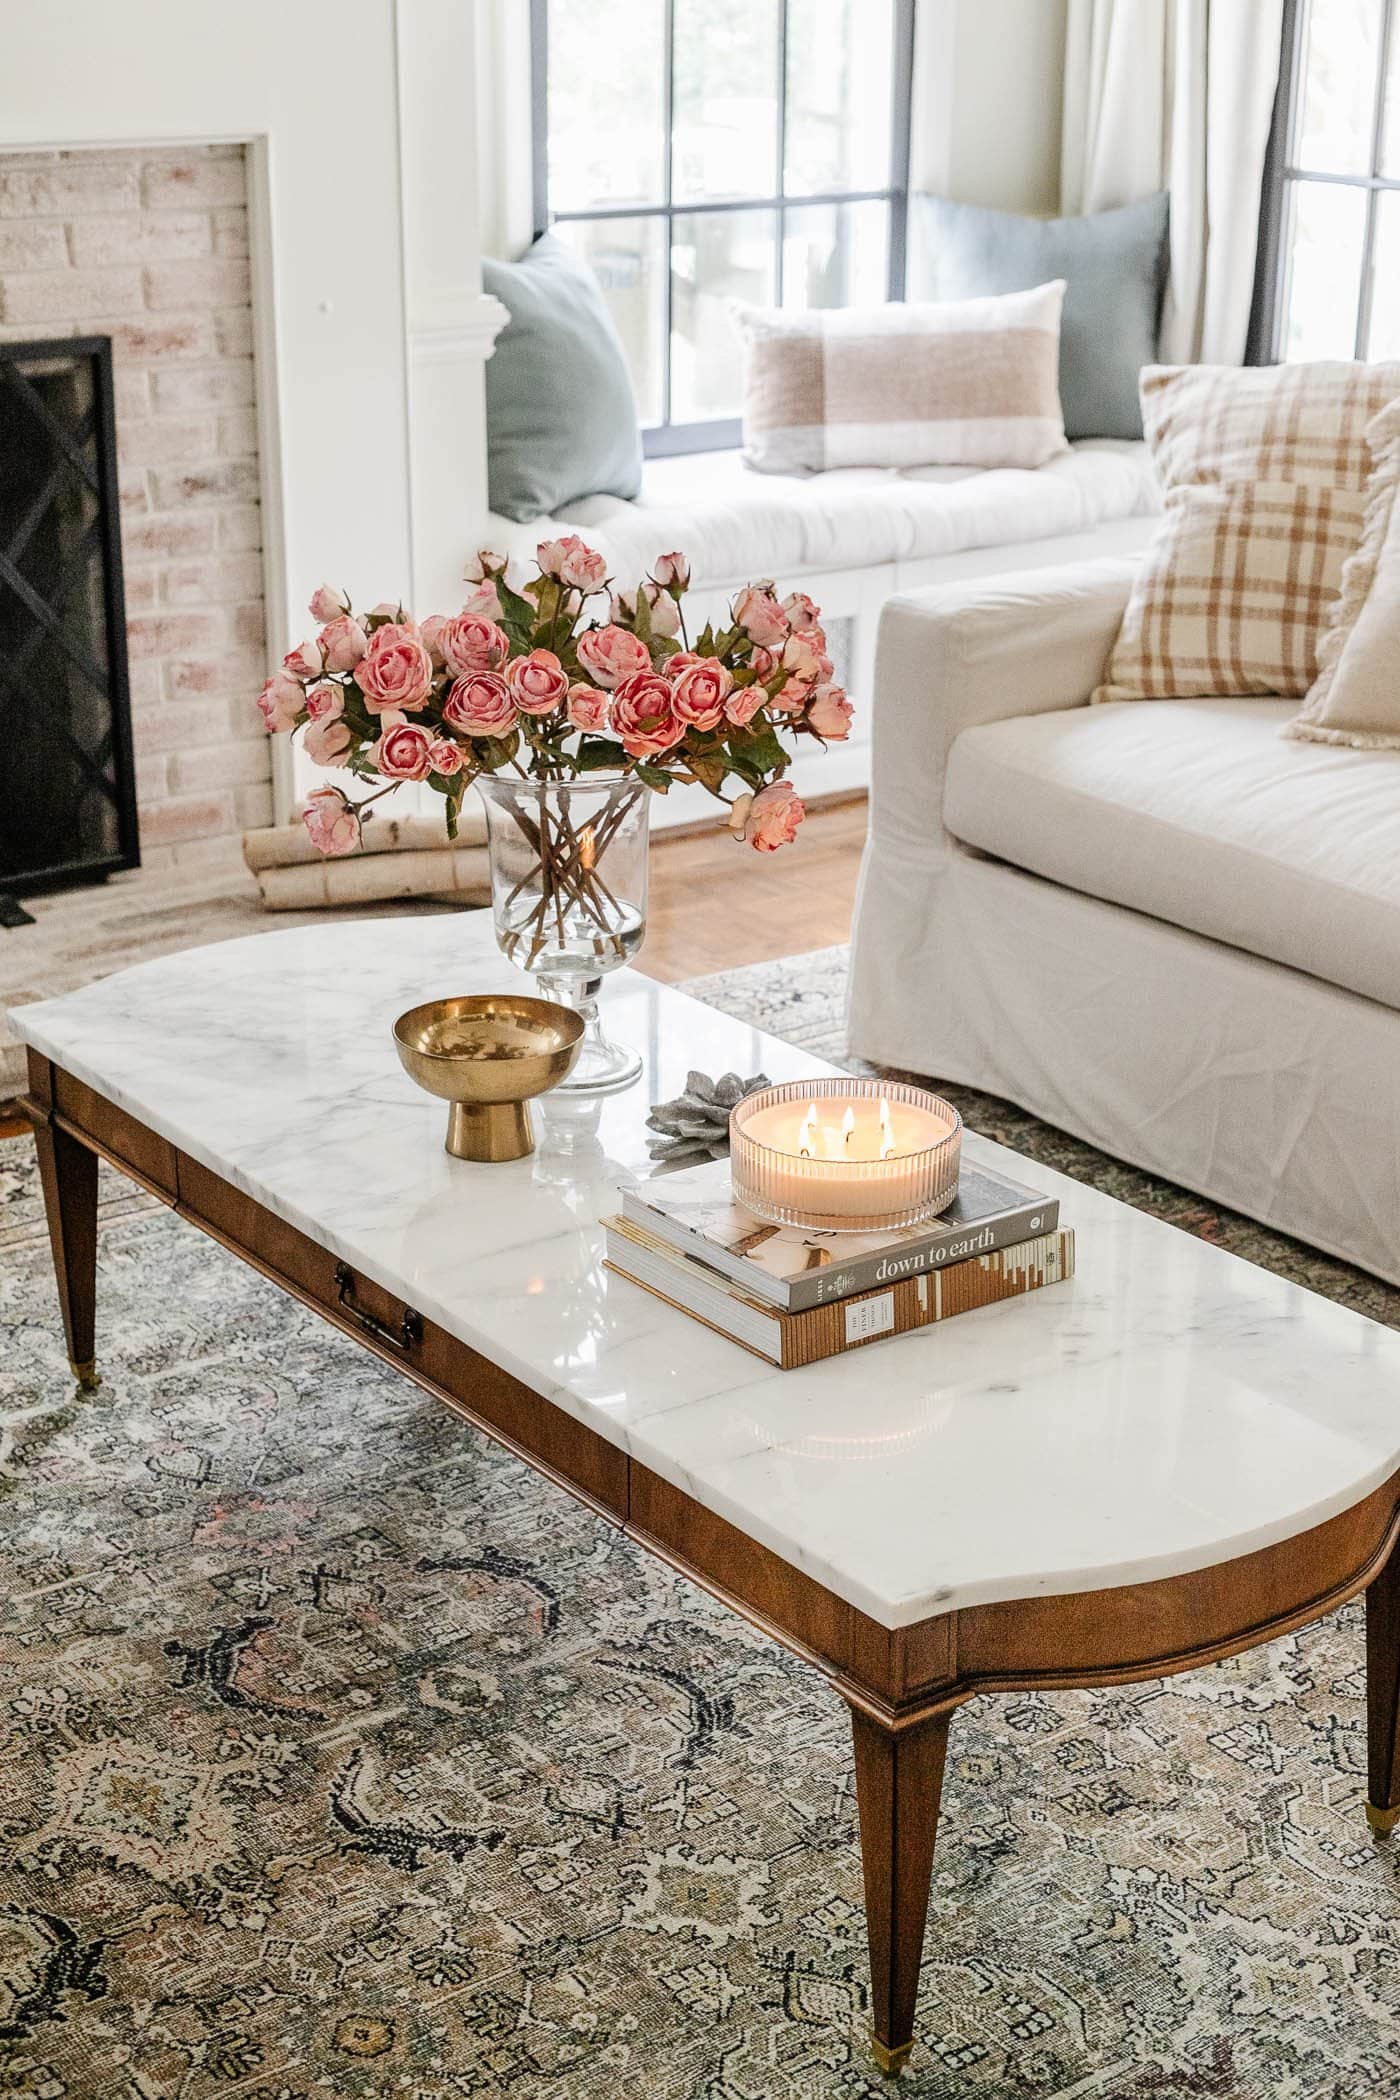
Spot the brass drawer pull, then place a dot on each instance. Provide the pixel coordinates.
(410, 1332)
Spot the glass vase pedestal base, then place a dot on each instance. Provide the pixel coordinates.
(602, 1066)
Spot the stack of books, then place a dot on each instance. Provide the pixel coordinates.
(795, 1296)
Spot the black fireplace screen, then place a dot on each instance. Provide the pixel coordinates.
(67, 791)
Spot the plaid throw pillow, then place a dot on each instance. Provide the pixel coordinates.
(1263, 472)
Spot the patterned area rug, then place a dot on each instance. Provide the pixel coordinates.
(339, 1755)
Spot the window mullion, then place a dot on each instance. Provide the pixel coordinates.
(901, 116)
(780, 186)
(668, 278)
(1368, 248)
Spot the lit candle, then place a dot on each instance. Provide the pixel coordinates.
(852, 1155)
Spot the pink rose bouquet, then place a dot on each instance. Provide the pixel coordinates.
(532, 681)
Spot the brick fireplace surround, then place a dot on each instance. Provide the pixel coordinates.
(150, 247)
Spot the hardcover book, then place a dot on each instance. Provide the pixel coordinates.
(791, 1340)
(795, 1269)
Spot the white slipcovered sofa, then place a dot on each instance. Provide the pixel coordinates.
(853, 537)
(1158, 925)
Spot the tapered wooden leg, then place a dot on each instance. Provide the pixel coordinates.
(1383, 1698)
(899, 1783)
(69, 1174)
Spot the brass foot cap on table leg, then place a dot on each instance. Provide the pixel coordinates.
(1382, 1820)
(890, 2061)
(86, 1375)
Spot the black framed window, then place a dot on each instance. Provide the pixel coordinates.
(697, 151)
(1329, 270)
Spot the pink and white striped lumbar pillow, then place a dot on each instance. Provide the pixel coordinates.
(966, 383)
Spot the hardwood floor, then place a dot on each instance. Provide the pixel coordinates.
(715, 904)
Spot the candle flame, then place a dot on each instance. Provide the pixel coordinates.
(807, 1135)
(848, 1126)
(886, 1134)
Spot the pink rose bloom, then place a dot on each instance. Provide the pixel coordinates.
(763, 663)
(801, 611)
(327, 603)
(395, 671)
(641, 715)
(342, 643)
(743, 704)
(483, 565)
(538, 682)
(665, 614)
(588, 709)
(480, 705)
(388, 609)
(280, 702)
(610, 654)
(672, 572)
(430, 635)
(699, 694)
(570, 561)
(445, 757)
(830, 714)
(485, 602)
(327, 741)
(470, 642)
(331, 821)
(404, 752)
(324, 701)
(304, 662)
(770, 818)
(800, 659)
(757, 611)
(680, 660)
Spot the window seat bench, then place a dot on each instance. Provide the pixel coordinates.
(853, 538)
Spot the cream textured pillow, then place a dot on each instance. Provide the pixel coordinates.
(972, 383)
(1356, 696)
(1263, 473)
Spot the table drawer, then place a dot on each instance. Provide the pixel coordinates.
(534, 1426)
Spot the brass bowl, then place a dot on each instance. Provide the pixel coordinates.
(487, 1055)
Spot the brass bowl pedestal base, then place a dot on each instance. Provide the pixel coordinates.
(493, 1130)
(86, 1375)
(1382, 1820)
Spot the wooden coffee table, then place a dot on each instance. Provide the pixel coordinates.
(1168, 1460)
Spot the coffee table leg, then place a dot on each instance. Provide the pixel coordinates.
(1383, 1698)
(69, 1175)
(899, 1782)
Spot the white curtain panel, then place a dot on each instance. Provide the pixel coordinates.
(1178, 95)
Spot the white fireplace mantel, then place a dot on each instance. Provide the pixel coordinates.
(372, 328)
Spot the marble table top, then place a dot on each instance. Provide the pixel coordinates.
(1171, 1407)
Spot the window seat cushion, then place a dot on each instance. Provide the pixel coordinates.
(736, 525)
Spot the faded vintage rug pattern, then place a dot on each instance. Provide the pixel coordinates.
(339, 1755)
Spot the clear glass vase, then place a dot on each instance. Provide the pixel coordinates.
(569, 896)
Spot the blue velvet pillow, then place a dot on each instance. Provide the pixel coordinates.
(561, 421)
(1114, 267)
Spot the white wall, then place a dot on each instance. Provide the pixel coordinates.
(372, 331)
(988, 83)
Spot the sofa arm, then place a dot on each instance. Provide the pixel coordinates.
(1027, 643)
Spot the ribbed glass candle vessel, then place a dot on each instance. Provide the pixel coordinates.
(845, 1155)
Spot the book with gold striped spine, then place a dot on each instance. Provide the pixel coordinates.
(792, 1340)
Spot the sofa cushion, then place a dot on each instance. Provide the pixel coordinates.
(1202, 815)
(735, 525)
